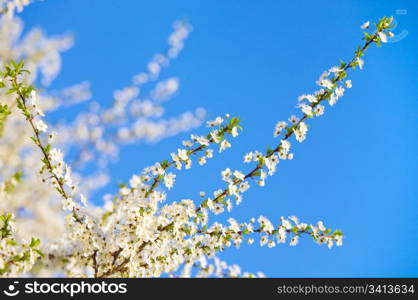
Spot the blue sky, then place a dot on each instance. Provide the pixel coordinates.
(356, 171)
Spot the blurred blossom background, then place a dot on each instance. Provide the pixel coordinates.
(357, 170)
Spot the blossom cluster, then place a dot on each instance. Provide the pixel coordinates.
(18, 154)
(53, 169)
(10, 6)
(42, 56)
(332, 84)
(15, 256)
(138, 233)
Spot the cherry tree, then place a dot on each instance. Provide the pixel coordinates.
(47, 224)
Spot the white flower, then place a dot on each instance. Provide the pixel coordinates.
(321, 226)
(263, 175)
(336, 70)
(124, 191)
(56, 155)
(365, 25)
(281, 236)
(319, 110)
(257, 155)
(32, 98)
(52, 136)
(279, 127)
(239, 175)
(360, 63)
(383, 37)
(68, 203)
(187, 143)
(248, 157)
(178, 165)
(271, 163)
(348, 84)
(332, 99)
(330, 243)
(218, 209)
(299, 136)
(294, 241)
(234, 131)
(234, 226)
(67, 177)
(306, 109)
(157, 169)
(339, 91)
(285, 145)
(182, 154)
(40, 125)
(325, 83)
(188, 164)
(135, 181)
(202, 160)
(301, 131)
(310, 98)
(203, 141)
(293, 119)
(265, 224)
(215, 136)
(218, 121)
(238, 199)
(224, 145)
(169, 180)
(209, 153)
(226, 174)
(232, 189)
(263, 240)
(174, 157)
(286, 224)
(339, 240)
(244, 186)
(210, 204)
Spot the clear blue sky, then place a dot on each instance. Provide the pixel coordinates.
(356, 171)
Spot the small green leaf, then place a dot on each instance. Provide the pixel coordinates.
(35, 243)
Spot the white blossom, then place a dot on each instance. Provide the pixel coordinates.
(140, 231)
(169, 180)
(224, 145)
(40, 125)
(383, 37)
(182, 154)
(239, 175)
(365, 25)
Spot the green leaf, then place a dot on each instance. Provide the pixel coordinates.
(39, 252)
(257, 173)
(35, 243)
(10, 91)
(4, 112)
(11, 242)
(48, 148)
